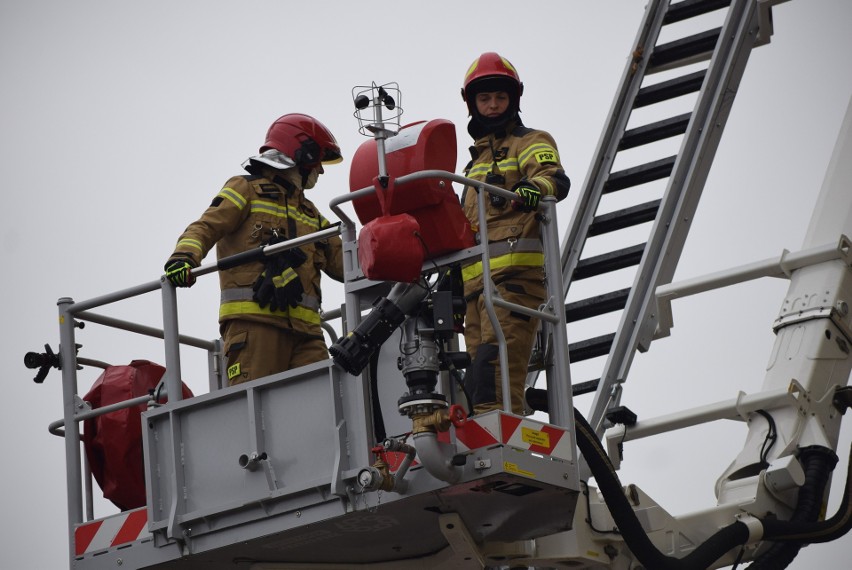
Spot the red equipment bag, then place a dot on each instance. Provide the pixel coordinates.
(389, 248)
(113, 441)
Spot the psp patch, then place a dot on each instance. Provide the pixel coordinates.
(233, 371)
(546, 157)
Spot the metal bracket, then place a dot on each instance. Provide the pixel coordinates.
(461, 542)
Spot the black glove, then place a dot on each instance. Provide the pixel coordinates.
(278, 285)
(292, 257)
(531, 196)
(179, 271)
(278, 291)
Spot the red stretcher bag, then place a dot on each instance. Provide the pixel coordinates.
(113, 441)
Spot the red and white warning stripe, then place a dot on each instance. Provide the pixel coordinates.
(522, 433)
(103, 534)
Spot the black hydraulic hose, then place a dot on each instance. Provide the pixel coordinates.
(378, 417)
(818, 463)
(637, 540)
(799, 532)
(815, 532)
(457, 377)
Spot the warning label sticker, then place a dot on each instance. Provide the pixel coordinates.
(535, 437)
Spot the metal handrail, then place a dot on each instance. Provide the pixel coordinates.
(70, 312)
(56, 427)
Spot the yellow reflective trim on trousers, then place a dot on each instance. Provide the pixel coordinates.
(236, 308)
(534, 259)
(233, 196)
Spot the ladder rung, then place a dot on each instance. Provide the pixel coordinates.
(665, 90)
(626, 218)
(639, 174)
(586, 387)
(653, 132)
(609, 262)
(597, 305)
(537, 397)
(691, 8)
(684, 49)
(590, 348)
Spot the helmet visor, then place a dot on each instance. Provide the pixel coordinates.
(331, 156)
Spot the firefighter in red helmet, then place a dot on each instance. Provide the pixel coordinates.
(269, 314)
(526, 161)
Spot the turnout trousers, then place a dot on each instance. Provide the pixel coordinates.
(483, 377)
(254, 350)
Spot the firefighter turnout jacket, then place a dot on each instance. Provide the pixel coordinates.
(506, 159)
(247, 213)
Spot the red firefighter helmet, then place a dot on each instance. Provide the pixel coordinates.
(304, 139)
(491, 72)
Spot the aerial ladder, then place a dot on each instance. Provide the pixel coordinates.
(656, 198)
(370, 459)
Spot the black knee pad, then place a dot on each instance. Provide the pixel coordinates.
(480, 380)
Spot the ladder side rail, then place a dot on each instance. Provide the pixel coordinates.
(668, 235)
(607, 149)
(583, 215)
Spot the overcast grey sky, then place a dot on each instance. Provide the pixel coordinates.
(121, 120)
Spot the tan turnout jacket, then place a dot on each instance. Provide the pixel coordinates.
(246, 214)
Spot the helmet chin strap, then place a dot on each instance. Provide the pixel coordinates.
(309, 151)
(480, 126)
(309, 176)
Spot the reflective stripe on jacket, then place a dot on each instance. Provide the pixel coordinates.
(238, 301)
(246, 214)
(509, 253)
